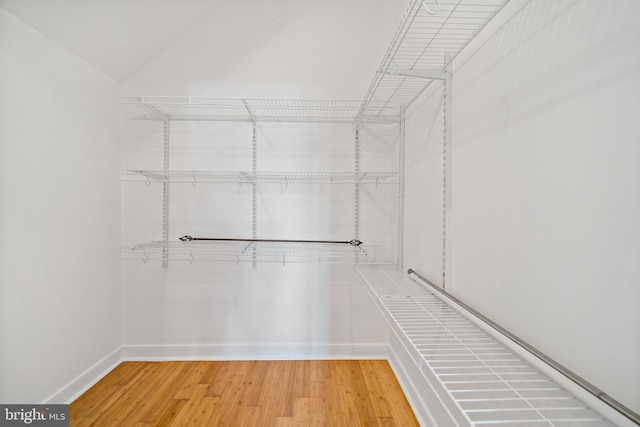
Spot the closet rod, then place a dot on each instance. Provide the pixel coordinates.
(353, 242)
(601, 395)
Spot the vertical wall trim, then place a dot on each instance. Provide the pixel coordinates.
(356, 198)
(255, 193)
(447, 162)
(165, 196)
(401, 166)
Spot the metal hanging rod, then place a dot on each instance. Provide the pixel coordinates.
(601, 395)
(353, 242)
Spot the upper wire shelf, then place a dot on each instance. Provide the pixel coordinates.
(423, 45)
(242, 110)
(195, 177)
(241, 252)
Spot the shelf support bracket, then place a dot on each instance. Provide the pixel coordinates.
(423, 73)
(378, 119)
(155, 111)
(249, 111)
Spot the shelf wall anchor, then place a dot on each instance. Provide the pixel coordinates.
(423, 73)
(432, 12)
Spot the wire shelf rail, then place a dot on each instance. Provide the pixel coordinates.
(241, 252)
(423, 45)
(195, 177)
(489, 384)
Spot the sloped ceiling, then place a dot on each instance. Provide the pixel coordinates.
(162, 46)
(276, 49)
(117, 37)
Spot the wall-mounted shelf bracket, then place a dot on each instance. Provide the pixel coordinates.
(378, 119)
(155, 112)
(423, 73)
(249, 111)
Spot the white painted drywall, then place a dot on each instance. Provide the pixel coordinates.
(278, 310)
(287, 49)
(423, 185)
(276, 49)
(225, 311)
(546, 184)
(60, 299)
(115, 37)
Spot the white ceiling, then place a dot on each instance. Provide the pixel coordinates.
(117, 37)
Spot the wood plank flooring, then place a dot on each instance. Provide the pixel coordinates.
(246, 393)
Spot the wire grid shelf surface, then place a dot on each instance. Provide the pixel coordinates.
(279, 252)
(422, 42)
(488, 382)
(234, 109)
(261, 177)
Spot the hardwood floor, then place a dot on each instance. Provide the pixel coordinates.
(246, 393)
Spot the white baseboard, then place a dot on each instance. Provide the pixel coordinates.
(255, 352)
(87, 379)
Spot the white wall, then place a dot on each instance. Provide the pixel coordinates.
(286, 49)
(276, 49)
(546, 175)
(423, 185)
(282, 309)
(60, 299)
(220, 310)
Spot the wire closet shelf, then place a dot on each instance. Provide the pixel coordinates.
(242, 110)
(245, 177)
(430, 36)
(248, 252)
(164, 108)
(488, 383)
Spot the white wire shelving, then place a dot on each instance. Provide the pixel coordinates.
(242, 110)
(242, 177)
(242, 252)
(489, 384)
(422, 47)
(255, 112)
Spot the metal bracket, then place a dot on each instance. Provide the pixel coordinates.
(379, 119)
(155, 111)
(249, 111)
(423, 73)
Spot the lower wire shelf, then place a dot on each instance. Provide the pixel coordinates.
(477, 377)
(242, 177)
(242, 252)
